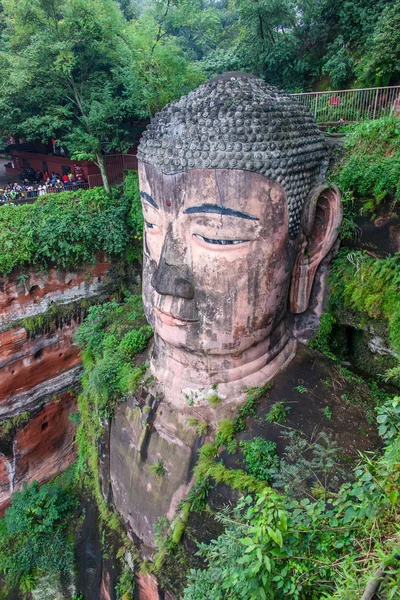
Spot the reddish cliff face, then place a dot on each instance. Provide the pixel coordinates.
(39, 368)
(41, 449)
(25, 362)
(30, 293)
(147, 588)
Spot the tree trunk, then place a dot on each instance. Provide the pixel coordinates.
(102, 166)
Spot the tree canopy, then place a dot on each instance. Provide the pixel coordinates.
(297, 45)
(84, 71)
(79, 71)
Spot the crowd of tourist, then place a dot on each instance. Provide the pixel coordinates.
(35, 183)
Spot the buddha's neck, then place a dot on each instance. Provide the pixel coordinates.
(181, 372)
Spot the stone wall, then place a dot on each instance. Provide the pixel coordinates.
(40, 367)
(39, 450)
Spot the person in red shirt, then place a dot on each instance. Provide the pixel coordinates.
(65, 179)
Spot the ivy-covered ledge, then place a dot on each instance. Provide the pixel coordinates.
(67, 251)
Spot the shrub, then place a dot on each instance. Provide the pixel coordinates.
(67, 229)
(202, 428)
(278, 413)
(224, 436)
(370, 168)
(110, 337)
(388, 419)
(260, 457)
(158, 468)
(329, 546)
(135, 341)
(33, 533)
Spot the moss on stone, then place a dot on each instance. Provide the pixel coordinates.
(364, 359)
(8, 426)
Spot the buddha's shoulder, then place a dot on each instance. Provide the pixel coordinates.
(319, 394)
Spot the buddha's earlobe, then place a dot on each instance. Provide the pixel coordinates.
(322, 216)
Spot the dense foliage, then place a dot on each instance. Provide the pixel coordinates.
(34, 533)
(294, 45)
(366, 289)
(311, 537)
(380, 65)
(110, 338)
(308, 549)
(93, 67)
(369, 285)
(260, 457)
(80, 72)
(67, 229)
(370, 169)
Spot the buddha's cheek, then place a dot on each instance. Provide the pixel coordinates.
(219, 275)
(238, 294)
(223, 300)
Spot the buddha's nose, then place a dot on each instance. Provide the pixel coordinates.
(172, 276)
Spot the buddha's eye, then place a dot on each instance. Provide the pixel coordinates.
(150, 225)
(220, 242)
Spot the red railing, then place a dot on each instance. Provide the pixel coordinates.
(116, 165)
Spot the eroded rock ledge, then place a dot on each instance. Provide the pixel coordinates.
(40, 367)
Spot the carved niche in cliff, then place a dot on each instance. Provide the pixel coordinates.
(237, 220)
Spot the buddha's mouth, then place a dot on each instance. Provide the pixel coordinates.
(170, 319)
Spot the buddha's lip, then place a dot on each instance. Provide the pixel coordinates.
(170, 319)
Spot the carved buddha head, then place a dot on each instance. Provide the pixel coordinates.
(236, 222)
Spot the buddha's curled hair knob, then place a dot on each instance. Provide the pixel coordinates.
(243, 114)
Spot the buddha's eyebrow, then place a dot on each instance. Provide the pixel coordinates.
(218, 209)
(148, 199)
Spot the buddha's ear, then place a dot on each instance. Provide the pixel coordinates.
(322, 216)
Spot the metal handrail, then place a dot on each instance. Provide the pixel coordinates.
(28, 196)
(387, 87)
(333, 106)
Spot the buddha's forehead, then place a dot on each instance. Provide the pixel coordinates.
(239, 122)
(227, 192)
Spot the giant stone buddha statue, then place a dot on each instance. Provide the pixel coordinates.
(237, 220)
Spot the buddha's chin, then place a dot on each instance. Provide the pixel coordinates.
(177, 332)
(189, 338)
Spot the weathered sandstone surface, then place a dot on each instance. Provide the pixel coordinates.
(41, 449)
(40, 367)
(26, 362)
(31, 293)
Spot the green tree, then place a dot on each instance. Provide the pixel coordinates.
(58, 75)
(263, 25)
(78, 71)
(381, 63)
(156, 70)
